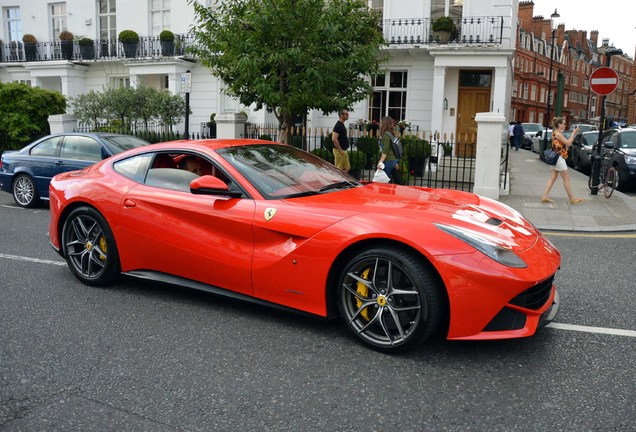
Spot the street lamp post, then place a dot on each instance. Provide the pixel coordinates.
(553, 23)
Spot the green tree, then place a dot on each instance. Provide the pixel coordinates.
(119, 104)
(290, 56)
(24, 111)
(169, 108)
(88, 108)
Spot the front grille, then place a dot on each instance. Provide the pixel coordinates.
(534, 297)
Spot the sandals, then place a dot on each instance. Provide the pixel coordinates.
(576, 200)
(546, 200)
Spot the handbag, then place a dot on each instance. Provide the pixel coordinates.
(380, 176)
(396, 146)
(550, 156)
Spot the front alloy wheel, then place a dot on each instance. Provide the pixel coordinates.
(89, 247)
(389, 299)
(25, 193)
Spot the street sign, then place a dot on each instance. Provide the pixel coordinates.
(603, 81)
(186, 82)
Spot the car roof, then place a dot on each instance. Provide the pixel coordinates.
(206, 144)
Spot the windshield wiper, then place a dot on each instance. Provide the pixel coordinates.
(339, 185)
(301, 194)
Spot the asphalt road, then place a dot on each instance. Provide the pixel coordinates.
(143, 357)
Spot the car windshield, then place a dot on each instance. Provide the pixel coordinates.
(120, 143)
(280, 171)
(628, 139)
(532, 127)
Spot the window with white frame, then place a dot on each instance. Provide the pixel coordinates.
(119, 82)
(159, 15)
(107, 19)
(452, 8)
(389, 96)
(57, 12)
(525, 91)
(533, 92)
(13, 28)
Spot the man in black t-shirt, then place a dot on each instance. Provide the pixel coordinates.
(341, 142)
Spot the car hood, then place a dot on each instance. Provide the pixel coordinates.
(419, 209)
(629, 151)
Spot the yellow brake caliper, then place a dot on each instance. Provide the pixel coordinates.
(363, 291)
(102, 247)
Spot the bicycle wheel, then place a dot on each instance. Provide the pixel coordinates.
(611, 181)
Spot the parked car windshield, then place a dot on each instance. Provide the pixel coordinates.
(628, 139)
(532, 127)
(281, 171)
(120, 143)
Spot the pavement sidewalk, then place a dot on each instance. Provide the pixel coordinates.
(528, 177)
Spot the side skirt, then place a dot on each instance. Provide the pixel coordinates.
(150, 275)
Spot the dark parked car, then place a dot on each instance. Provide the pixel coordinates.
(581, 150)
(624, 155)
(530, 130)
(26, 173)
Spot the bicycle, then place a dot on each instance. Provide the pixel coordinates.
(608, 174)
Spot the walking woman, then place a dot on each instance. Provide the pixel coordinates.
(561, 145)
(388, 161)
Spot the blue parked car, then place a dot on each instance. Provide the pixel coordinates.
(26, 173)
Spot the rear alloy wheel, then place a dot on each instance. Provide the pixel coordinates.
(389, 299)
(24, 191)
(89, 247)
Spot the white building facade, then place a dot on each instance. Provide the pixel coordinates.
(437, 85)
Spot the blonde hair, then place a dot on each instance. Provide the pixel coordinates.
(387, 124)
(556, 121)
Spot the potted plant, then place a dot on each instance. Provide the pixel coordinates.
(66, 44)
(443, 29)
(87, 49)
(358, 161)
(416, 150)
(448, 148)
(166, 38)
(212, 125)
(30, 47)
(130, 41)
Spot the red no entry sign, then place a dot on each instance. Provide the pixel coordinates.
(603, 81)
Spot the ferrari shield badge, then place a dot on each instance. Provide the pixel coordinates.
(269, 213)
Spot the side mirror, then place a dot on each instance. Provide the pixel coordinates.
(211, 185)
(609, 145)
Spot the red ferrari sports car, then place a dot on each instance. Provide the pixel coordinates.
(272, 224)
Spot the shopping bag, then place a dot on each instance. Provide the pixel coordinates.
(380, 176)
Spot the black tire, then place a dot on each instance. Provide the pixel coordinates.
(25, 193)
(89, 247)
(611, 182)
(389, 317)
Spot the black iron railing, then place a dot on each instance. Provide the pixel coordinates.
(147, 47)
(402, 31)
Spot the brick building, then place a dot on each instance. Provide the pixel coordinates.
(574, 57)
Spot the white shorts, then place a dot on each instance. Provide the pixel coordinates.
(560, 165)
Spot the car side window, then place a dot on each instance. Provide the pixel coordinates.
(48, 147)
(134, 167)
(81, 148)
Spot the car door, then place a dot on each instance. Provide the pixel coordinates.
(41, 163)
(204, 238)
(79, 151)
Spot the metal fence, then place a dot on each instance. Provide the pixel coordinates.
(430, 160)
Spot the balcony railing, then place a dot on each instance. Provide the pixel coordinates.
(468, 30)
(406, 31)
(148, 47)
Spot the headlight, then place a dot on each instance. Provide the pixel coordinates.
(630, 160)
(487, 247)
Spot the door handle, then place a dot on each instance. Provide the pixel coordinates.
(128, 203)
